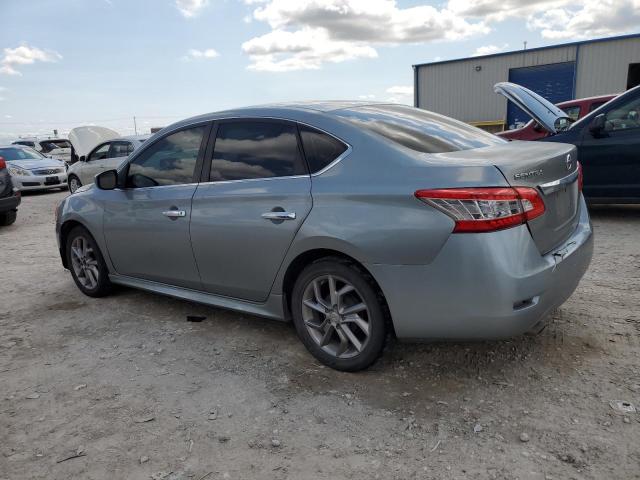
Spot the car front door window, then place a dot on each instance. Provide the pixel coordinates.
(99, 153)
(169, 161)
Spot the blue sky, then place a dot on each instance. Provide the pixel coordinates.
(73, 62)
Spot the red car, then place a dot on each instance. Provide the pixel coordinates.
(575, 109)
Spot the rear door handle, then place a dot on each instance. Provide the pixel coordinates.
(279, 215)
(174, 213)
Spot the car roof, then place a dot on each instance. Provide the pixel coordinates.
(138, 138)
(292, 110)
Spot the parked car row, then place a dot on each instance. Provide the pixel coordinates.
(574, 109)
(58, 148)
(607, 140)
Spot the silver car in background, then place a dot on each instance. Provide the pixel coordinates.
(357, 221)
(30, 170)
(102, 155)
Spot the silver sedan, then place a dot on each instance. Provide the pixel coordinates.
(30, 170)
(356, 221)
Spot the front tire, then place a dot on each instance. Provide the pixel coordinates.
(74, 183)
(86, 263)
(8, 218)
(338, 314)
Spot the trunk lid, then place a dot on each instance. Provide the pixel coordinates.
(544, 112)
(551, 168)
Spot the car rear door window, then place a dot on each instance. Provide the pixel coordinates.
(169, 161)
(255, 149)
(120, 149)
(320, 149)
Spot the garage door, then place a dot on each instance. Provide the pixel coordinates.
(554, 82)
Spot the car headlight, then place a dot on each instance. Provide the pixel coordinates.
(19, 171)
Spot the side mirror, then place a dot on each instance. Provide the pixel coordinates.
(107, 180)
(597, 124)
(82, 159)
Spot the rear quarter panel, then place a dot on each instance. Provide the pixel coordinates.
(364, 206)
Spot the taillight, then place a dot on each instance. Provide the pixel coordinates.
(580, 177)
(3, 164)
(485, 209)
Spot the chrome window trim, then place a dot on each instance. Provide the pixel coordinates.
(337, 160)
(555, 185)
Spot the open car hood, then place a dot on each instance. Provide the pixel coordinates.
(84, 139)
(550, 117)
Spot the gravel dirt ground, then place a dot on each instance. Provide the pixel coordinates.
(125, 387)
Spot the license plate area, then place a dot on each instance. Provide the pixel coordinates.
(51, 180)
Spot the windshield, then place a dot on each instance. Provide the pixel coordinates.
(26, 143)
(13, 154)
(57, 143)
(417, 129)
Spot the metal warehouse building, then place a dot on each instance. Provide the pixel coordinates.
(463, 88)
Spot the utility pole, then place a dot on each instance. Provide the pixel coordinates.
(135, 125)
(525, 45)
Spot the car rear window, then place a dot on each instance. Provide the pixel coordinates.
(320, 149)
(417, 129)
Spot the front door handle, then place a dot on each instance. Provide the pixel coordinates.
(279, 215)
(173, 214)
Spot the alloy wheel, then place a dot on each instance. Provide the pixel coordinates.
(336, 316)
(84, 263)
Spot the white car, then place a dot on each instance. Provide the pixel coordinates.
(58, 148)
(98, 149)
(30, 170)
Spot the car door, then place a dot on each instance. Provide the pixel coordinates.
(611, 156)
(94, 163)
(254, 195)
(146, 219)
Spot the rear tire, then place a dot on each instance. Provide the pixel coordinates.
(338, 314)
(74, 183)
(8, 218)
(86, 263)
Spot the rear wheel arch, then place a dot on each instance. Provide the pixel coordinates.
(298, 264)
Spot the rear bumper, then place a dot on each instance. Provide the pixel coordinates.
(9, 203)
(483, 286)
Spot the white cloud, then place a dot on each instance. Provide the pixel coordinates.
(305, 34)
(308, 33)
(590, 19)
(489, 49)
(194, 53)
(400, 90)
(400, 94)
(25, 55)
(191, 8)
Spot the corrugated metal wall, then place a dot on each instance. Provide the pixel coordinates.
(457, 89)
(603, 66)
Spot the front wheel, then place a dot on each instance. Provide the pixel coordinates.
(338, 314)
(87, 266)
(74, 183)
